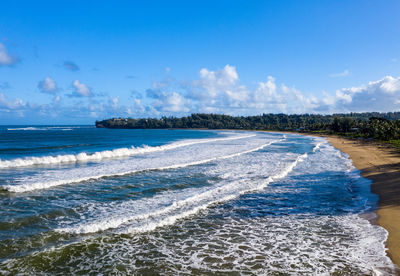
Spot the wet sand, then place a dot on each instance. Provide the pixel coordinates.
(381, 164)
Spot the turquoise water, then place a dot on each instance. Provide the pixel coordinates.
(81, 200)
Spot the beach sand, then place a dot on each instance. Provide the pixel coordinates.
(381, 164)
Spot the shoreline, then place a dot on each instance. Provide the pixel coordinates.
(381, 164)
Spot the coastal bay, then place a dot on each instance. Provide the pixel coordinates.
(200, 201)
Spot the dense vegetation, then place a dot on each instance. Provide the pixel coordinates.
(381, 126)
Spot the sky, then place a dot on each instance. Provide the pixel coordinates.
(74, 62)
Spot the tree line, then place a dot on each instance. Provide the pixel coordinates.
(381, 126)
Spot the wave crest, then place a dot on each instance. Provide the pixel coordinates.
(106, 154)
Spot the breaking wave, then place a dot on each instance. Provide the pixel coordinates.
(106, 154)
(184, 204)
(45, 128)
(48, 184)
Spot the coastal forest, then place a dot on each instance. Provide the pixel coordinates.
(380, 126)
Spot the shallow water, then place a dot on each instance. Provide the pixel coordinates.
(82, 200)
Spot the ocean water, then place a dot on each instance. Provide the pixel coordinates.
(81, 200)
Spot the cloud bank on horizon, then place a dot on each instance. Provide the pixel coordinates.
(218, 91)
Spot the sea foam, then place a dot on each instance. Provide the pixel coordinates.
(120, 172)
(106, 154)
(271, 232)
(181, 204)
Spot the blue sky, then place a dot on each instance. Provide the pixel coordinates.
(73, 62)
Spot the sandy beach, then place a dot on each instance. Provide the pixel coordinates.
(381, 164)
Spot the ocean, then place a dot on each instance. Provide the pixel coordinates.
(86, 201)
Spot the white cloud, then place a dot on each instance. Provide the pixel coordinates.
(345, 73)
(216, 91)
(168, 101)
(11, 105)
(266, 91)
(5, 58)
(48, 85)
(56, 99)
(382, 96)
(137, 107)
(390, 85)
(266, 94)
(218, 81)
(343, 96)
(77, 110)
(81, 90)
(269, 97)
(220, 91)
(113, 101)
(297, 102)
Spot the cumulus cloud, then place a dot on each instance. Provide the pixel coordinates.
(81, 90)
(5, 58)
(389, 84)
(345, 73)
(168, 101)
(71, 66)
(113, 101)
(10, 105)
(382, 96)
(48, 85)
(217, 91)
(219, 81)
(214, 90)
(220, 91)
(172, 102)
(138, 107)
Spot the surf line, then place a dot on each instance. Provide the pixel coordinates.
(172, 219)
(45, 185)
(106, 154)
(113, 223)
